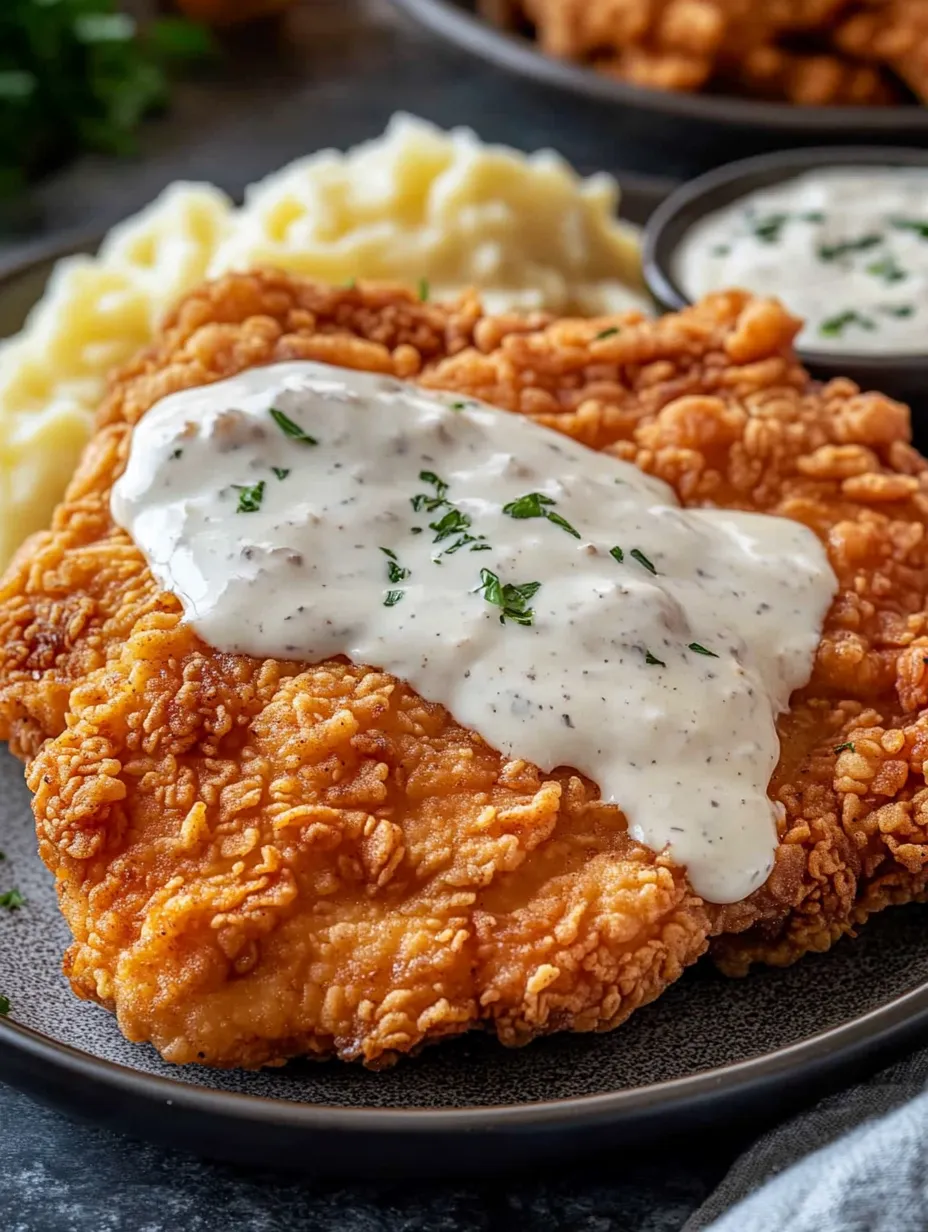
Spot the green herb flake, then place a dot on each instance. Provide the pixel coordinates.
(637, 554)
(4, 1006)
(840, 748)
(833, 327)
(451, 523)
(291, 429)
(831, 252)
(768, 229)
(695, 646)
(607, 333)
(653, 660)
(423, 290)
(280, 472)
(617, 554)
(512, 600)
(812, 216)
(888, 269)
(249, 498)
(721, 250)
(392, 598)
(178, 453)
(430, 503)
(536, 505)
(898, 310)
(915, 225)
(12, 900)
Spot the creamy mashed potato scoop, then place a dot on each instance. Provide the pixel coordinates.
(414, 204)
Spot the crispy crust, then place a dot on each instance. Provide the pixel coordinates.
(810, 52)
(260, 859)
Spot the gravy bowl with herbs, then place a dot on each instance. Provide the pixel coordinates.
(839, 236)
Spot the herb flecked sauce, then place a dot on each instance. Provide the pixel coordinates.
(845, 249)
(554, 599)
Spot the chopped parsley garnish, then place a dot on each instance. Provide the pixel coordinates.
(637, 554)
(721, 250)
(831, 252)
(653, 660)
(4, 1006)
(511, 599)
(393, 597)
(834, 326)
(350, 284)
(888, 269)
(607, 333)
(848, 744)
(430, 503)
(423, 289)
(458, 406)
(280, 472)
(395, 571)
(702, 650)
(915, 225)
(178, 453)
(617, 553)
(291, 429)
(898, 310)
(536, 505)
(12, 900)
(249, 498)
(768, 229)
(452, 521)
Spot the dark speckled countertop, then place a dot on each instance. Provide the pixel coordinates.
(56, 1176)
(347, 66)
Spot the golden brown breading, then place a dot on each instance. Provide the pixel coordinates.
(260, 859)
(812, 52)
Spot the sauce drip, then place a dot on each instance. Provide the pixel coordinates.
(555, 600)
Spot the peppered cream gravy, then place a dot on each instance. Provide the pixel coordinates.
(846, 248)
(554, 599)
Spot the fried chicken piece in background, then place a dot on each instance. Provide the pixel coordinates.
(261, 859)
(811, 52)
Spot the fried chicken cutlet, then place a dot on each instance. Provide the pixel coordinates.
(260, 859)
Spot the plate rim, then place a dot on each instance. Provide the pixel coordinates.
(449, 20)
(817, 1057)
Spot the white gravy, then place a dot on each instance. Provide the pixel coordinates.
(845, 249)
(649, 647)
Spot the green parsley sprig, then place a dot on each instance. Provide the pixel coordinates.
(537, 505)
(291, 429)
(512, 600)
(249, 497)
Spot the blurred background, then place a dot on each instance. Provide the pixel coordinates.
(102, 104)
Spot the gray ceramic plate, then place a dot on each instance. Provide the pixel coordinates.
(709, 1049)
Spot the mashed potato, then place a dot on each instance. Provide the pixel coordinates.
(416, 203)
